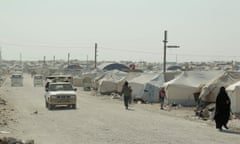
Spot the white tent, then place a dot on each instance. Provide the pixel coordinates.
(151, 90)
(112, 82)
(211, 89)
(86, 78)
(180, 90)
(145, 86)
(234, 94)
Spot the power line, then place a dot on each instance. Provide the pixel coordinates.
(76, 47)
(43, 45)
(194, 55)
(127, 50)
(112, 49)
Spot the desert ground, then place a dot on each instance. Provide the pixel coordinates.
(102, 120)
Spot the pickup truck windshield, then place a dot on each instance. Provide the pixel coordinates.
(60, 87)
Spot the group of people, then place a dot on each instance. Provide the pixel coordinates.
(222, 108)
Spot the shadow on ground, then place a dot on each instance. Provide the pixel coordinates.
(231, 131)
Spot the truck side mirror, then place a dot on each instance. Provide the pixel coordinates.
(75, 89)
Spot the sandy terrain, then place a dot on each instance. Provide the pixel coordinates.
(100, 119)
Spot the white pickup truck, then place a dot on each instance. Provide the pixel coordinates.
(60, 93)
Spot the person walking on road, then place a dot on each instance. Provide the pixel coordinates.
(126, 92)
(161, 97)
(222, 109)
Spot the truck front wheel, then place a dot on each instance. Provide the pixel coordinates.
(74, 106)
(50, 106)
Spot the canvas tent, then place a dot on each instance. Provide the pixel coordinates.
(152, 88)
(146, 86)
(234, 94)
(210, 90)
(113, 66)
(181, 89)
(174, 68)
(112, 81)
(86, 78)
(82, 81)
(96, 80)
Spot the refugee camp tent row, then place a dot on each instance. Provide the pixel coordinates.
(211, 89)
(181, 89)
(234, 94)
(146, 86)
(112, 81)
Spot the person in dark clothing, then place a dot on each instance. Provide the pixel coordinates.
(222, 109)
(127, 92)
(161, 97)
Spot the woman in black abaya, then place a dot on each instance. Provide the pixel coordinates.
(222, 109)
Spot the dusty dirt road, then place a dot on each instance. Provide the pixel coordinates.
(101, 120)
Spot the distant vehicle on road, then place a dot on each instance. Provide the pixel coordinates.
(60, 78)
(60, 93)
(38, 80)
(17, 79)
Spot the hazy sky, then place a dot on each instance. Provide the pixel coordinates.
(206, 30)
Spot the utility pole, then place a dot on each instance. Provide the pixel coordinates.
(164, 52)
(68, 59)
(44, 60)
(0, 55)
(20, 56)
(53, 60)
(95, 56)
(87, 61)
